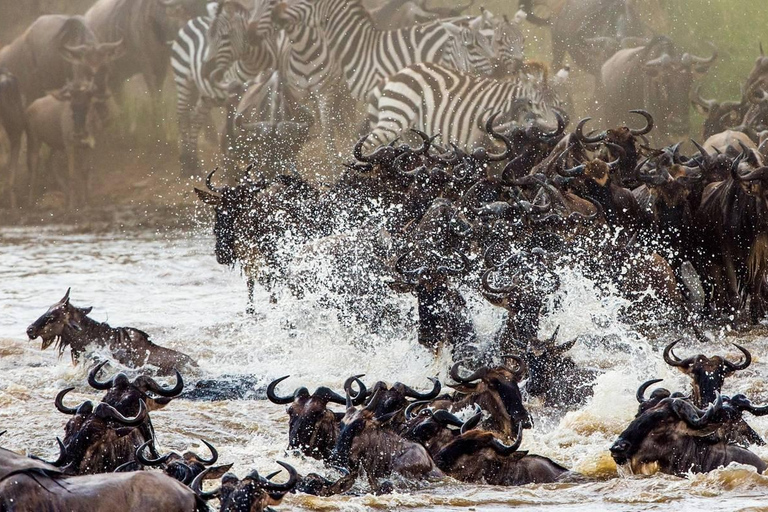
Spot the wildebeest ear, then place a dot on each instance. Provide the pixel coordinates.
(207, 197)
(217, 472)
(85, 311)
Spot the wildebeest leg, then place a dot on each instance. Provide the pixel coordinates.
(33, 163)
(250, 308)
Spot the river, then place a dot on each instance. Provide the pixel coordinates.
(168, 283)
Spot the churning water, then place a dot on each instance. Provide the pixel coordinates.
(169, 284)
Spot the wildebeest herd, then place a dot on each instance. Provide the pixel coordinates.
(466, 181)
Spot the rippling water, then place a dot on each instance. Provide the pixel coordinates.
(168, 284)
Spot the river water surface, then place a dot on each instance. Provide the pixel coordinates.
(169, 284)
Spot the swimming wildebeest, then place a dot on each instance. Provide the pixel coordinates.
(70, 326)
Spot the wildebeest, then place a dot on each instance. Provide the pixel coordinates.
(27, 485)
(312, 427)
(656, 78)
(183, 467)
(707, 373)
(432, 427)
(146, 27)
(13, 119)
(54, 49)
(674, 436)
(65, 121)
(98, 438)
(364, 445)
(496, 391)
(70, 326)
(253, 493)
(478, 456)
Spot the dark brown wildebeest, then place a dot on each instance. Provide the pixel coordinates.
(432, 427)
(495, 390)
(312, 427)
(364, 444)
(675, 437)
(478, 456)
(71, 327)
(146, 27)
(733, 217)
(183, 468)
(27, 485)
(387, 400)
(98, 439)
(253, 493)
(656, 78)
(54, 49)
(719, 116)
(13, 119)
(65, 121)
(707, 373)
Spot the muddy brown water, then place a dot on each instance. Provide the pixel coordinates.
(168, 284)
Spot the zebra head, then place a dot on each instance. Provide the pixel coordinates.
(314, 13)
(227, 41)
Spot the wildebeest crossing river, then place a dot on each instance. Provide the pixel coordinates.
(169, 285)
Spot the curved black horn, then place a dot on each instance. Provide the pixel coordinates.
(446, 418)
(359, 397)
(586, 139)
(521, 367)
(640, 395)
(150, 462)
(293, 478)
(273, 397)
(214, 454)
(197, 483)
(106, 411)
(94, 382)
(60, 404)
(740, 365)
(509, 151)
(429, 395)
(503, 449)
(648, 122)
(670, 358)
(209, 184)
(478, 374)
(473, 421)
(176, 390)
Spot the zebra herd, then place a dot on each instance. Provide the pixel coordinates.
(447, 75)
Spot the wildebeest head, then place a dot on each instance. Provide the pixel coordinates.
(432, 427)
(230, 205)
(183, 467)
(93, 57)
(386, 399)
(312, 427)
(253, 493)
(707, 373)
(659, 433)
(97, 438)
(496, 390)
(125, 395)
(59, 317)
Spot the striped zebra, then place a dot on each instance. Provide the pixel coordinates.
(436, 99)
(365, 54)
(209, 53)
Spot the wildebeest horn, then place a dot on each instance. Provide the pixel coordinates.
(545, 136)
(214, 454)
(94, 382)
(197, 483)
(106, 411)
(478, 374)
(426, 141)
(446, 418)
(670, 358)
(329, 395)
(150, 462)
(503, 449)
(408, 272)
(586, 139)
(697, 99)
(210, 185)
(648, 122)
(429, 395)
(508, 152)
(61, 458)
(453, 271)
(743, 404)
(65, 299)
(741, 365)
(293, 477)
(487, 286)
(693, 416)
(412, 406)
(358, 151)
(757, 174)
(273, 397)
(640, 395)
(473, 421)
(156, 388)
(708, 60)
(359, 397)
(60, 404)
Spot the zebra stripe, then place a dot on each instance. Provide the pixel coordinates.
(435, 99)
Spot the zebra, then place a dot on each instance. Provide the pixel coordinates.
(209, 54)
(436, 99)
(366, 55)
